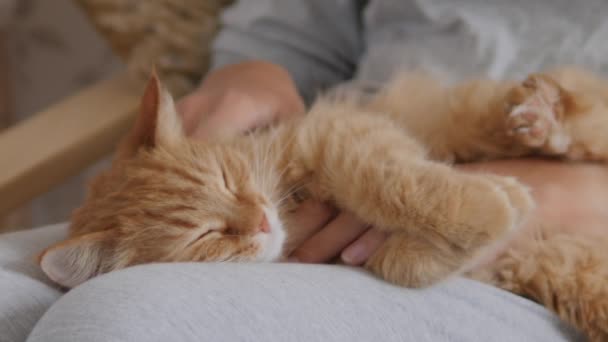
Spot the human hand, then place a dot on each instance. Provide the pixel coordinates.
(237, 98)
(569, 197)
(327, 235)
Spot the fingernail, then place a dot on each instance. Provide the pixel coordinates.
(354, 255)
(293, 259)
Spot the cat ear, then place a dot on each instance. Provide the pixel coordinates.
(158, 122)
(72, 262)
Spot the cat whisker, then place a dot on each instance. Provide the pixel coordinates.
(289, 193)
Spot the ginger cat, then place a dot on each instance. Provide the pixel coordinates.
(167, 198)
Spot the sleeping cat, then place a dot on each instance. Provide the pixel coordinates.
(167, 198)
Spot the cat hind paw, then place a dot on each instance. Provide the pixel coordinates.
(533, 118)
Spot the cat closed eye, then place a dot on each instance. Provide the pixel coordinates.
(203, 235)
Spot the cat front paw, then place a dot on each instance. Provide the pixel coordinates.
(519, 196)
(490, 211)
(534, 114)
(493, 208)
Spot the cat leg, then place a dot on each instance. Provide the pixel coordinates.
(566, 273)
(555, 121)
(448, 229)
(368, 166)
(558, 113)
(550, 114)
(464, 122)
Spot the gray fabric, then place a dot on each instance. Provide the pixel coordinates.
(499, 39)
(285, 302)
(319, 41)
(256, 302)
(25, 293)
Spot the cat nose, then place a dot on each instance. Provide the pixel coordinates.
(264, 225)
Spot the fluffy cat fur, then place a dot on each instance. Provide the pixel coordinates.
(167, 198)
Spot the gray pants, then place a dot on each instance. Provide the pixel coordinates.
(252, 302)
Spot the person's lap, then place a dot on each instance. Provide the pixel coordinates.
(190, 302)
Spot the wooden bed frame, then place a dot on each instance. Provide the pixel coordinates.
(60, 141)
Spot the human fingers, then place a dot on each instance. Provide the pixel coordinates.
(330, 240)
(310, 217)
(362, 249)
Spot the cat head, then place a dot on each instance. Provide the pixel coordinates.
(168, 198)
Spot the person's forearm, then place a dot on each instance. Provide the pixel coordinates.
(250, 71)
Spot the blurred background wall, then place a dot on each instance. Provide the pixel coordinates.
(48, 50)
